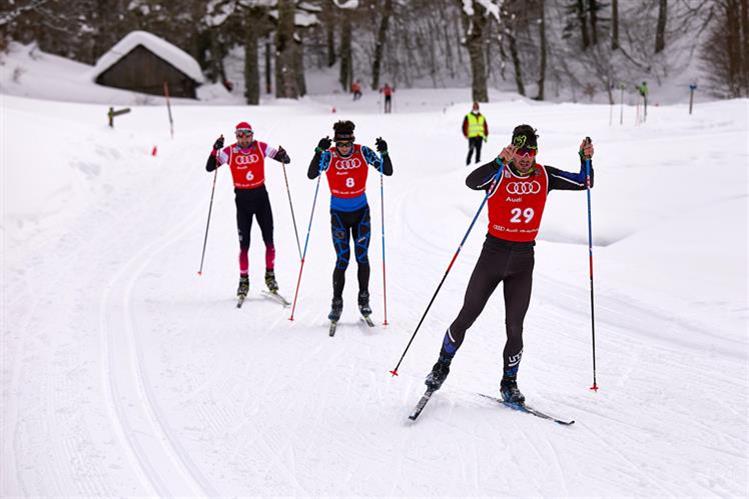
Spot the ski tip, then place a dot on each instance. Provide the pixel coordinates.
(394, 372)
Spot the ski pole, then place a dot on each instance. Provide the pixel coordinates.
(382, 211)
(304, 253)
(293, 218)
(208, 223)
(590, 258)
(489, 192)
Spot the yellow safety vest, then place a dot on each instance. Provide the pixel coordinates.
(475, 125)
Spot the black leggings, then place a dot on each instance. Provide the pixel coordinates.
(254, 202)
(499, 261)
(474, 143)
(344, 225)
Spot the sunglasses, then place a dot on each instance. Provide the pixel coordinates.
(531, 153)
(344, 144)
(243, 133)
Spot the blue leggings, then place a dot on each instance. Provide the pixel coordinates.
(344, 225)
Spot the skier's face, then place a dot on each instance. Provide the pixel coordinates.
(244, 139)
(344, 148)
(524, 159)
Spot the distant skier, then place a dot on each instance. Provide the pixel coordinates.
(387, 91)
(346, 168)
(356, 89)
(476, 130)
(515, 209)
(643, 91)
(246, 159)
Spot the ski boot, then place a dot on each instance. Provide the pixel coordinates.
(244, 286)
(439, 372)
(270, 281)
(335, 309)
(508, 388)
(364, 307)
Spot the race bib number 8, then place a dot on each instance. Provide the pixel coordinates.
(526, 214)
(349, 182)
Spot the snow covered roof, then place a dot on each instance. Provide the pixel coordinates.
(170, 53)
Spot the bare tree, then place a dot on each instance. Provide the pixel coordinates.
(725, 52)
(387, 11)
(542, 35)
(475, 17)
(286, 79)
(614, 24)
(660, 29)
(346, 68)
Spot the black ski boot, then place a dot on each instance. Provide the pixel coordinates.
(335, 309)
(439, 372)
(364, 307)
(508, 388)
(244, 286)
(270, 281)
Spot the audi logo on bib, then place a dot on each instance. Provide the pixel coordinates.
(348, 164)
(533, 187)
(246, 159)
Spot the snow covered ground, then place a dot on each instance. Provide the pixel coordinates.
(124, 373)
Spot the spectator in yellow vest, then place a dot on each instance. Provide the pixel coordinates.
(476, 131)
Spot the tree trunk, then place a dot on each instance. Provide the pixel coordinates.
(542, 69)
(268, 73)
(614, 24)
(474, 29)
(286, 79)
(251, 72)
(745, 45)
(582, 18)
(299, 66)
(593, 9)
(516, 63)
(387, 10)
(345, 76)
(660, 30)
(329, 20)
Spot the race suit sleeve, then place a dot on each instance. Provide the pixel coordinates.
(319, 163)
(568, 181)
(373, 159)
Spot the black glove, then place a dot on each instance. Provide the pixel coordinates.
(282, 156)
(324, 144)
(219, 143)
(382, 146)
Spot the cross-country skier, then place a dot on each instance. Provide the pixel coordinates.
(346, 168)
(246, 159)
(515, 209)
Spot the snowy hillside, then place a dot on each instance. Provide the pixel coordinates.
(124, 373)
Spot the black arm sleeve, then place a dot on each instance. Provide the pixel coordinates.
(211, 165)
(314, 166)
(387, 165)
(568, 181)
(481, 178)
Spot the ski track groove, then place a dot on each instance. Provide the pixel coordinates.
(142, 459)
(22, 352)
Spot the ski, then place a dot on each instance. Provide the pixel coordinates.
(420, 405)
(331, 330)
(275, 296)
(367, 320)
(528, 410)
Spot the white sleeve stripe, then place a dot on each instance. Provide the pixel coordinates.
(567, 180)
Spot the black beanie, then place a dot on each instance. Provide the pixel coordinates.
(524, 136)
(344, 130)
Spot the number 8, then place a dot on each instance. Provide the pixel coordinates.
(350, 182)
